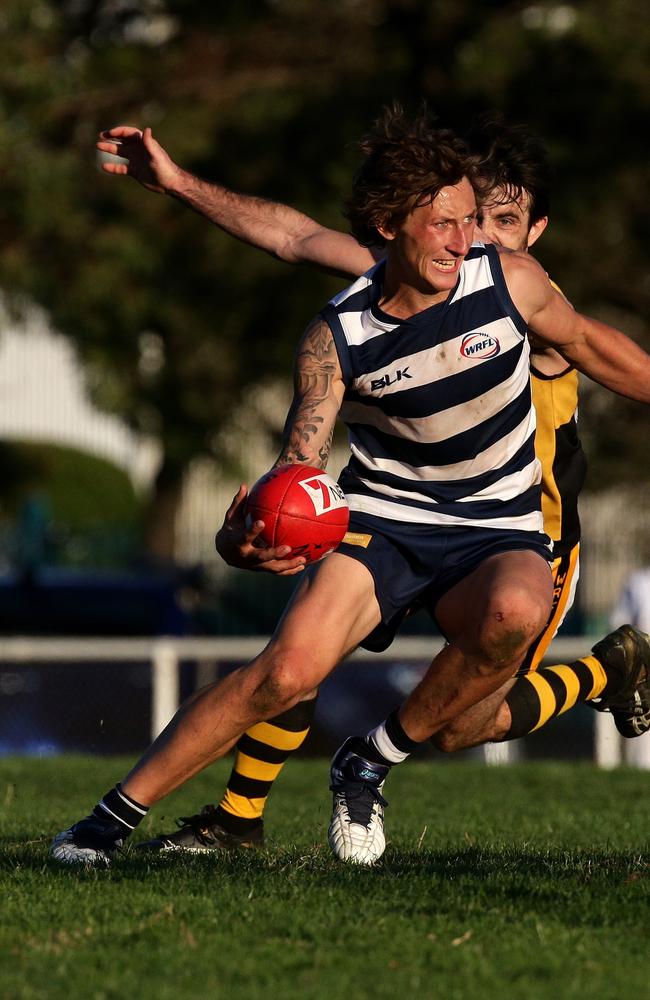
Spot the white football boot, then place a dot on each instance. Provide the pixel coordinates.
(356, 831)
(89, 842)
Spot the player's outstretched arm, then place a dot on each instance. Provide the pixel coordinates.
(598, 350)
(146, 160)
(306, 440)
(278, 229)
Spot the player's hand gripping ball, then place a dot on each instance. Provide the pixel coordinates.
(302, 507)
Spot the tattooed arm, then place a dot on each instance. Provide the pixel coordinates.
(306, 440)
(317, 395)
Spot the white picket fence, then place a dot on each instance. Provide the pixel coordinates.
(165, 654)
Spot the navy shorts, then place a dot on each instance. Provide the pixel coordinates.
(415, 564)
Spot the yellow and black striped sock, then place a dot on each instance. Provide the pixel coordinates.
(539, 696)
(260, 756)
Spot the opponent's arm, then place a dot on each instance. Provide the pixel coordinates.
(598, 350)
(282, 231)
(306, 440)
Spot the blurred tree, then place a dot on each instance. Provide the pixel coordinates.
(82, 510)
(175, 322)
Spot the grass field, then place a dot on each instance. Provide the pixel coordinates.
(522, 882)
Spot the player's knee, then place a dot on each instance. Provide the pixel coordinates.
(284, 683)
(503, 647)
(509, 628)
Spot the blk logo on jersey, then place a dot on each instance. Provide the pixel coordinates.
(390, 378)
(324, 495)
(479, 345)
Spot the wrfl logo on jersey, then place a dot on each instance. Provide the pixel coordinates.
(324, 493)
(479, 345)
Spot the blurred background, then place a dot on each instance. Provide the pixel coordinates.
(145, 355)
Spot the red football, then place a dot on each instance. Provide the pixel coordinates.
(302, 507)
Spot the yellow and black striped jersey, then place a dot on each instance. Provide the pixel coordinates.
(559, 450)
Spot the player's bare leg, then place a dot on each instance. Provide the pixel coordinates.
(486, 722)
(237, 821)
(615, 677)
(334, 607)
(491, 617)
(617, 673)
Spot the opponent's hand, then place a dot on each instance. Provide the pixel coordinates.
(148, 162)
(235, 543)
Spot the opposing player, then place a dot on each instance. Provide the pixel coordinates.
(443, 482)
(514, 214)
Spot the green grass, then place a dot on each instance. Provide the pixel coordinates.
(499, 884)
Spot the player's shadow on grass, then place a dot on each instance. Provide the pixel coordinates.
(507, 865)
(500, 860)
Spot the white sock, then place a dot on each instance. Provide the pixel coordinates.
(383, 743)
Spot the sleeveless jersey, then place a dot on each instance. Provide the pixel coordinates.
(438, 406)
(558, 447)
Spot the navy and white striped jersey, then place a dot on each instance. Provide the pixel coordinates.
(438, 406)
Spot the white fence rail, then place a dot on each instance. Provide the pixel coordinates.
(165, 654)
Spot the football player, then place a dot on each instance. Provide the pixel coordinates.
(511, 208)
